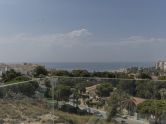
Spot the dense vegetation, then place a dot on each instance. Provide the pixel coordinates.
(142, 88)
(104, 89)
(10, 75)
(147, 89)
(28, 88)
(85, 73)
(107, 84)
(156, 108)
(40, 71)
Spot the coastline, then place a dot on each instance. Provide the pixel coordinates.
(91, 67)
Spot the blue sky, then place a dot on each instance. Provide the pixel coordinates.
(82, 30)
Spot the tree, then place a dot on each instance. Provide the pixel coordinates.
(149, 89)
(75, 96)
(61, 93)
(127, 86)
(162, 78)
(9, 75)
(27, 88)
(104, 89)
(48, 86)
(60, 73)
(157, 108)
(19, 79)
(129, 104)
(116, 102)
(113, 105)
(39, 71)
(80, 73)
(144, 76)
(123, 75)
(103, 74)
(81, 87)
(163, 93)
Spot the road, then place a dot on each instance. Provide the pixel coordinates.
(130, 121)
(93, 110)
(118, 119)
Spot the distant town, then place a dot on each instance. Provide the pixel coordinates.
(158, 71)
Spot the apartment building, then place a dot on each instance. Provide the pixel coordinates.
(161, 65)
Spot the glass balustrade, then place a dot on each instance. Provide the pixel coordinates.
(76, 100)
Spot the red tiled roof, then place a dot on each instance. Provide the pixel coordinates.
(138, 100)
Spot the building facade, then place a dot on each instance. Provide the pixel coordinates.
(161, 65)
(25, 68)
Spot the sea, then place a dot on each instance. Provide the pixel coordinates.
(114, 66)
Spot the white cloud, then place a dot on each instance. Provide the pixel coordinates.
(76, 38)
(43, 48)
(141, 39)
(130, 41)
(79, 33)
(76, 46)
(65, 39)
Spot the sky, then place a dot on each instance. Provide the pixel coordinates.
(82, 30)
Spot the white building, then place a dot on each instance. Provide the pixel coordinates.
(161, 65)
(3, 68)
(25, 68)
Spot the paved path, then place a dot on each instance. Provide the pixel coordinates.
(130, 121)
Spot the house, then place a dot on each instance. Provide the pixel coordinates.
(91, 91)
(138, 100)
(72, 100)
(134, 115)
(3, 68)
(25, 68)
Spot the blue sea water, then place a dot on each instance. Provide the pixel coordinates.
(97, 66)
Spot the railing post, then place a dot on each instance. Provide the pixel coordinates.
(53, 82)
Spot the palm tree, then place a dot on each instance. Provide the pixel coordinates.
(76, 97)
(119, 100)
(129, 105)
